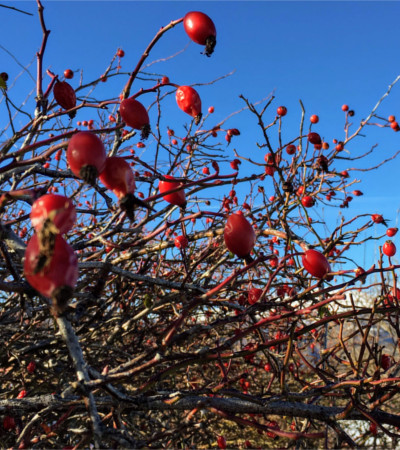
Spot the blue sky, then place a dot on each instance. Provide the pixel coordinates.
(324, 53)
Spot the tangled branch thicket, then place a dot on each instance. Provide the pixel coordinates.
(192, 347)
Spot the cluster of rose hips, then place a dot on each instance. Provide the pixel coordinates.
(51, 265)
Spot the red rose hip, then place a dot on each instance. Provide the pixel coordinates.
(135, 115)
(315, 263)
(86, 156)
(201, 29)
(239, 235)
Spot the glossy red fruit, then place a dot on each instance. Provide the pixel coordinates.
(118, 176)
(181, 242)
(267, 367)
(308, 201)
(314, 118)
(201, 29)
(189, 102)
(64, 95)
(315, 263)
(22, 394)
(59, 274)
(373, 428)
(281, 111)
(233, 132)
(390, 232)
(314, 138)
(68, 74)
(120, 53)
(86, 156)
(58, 209)
(31, 367)
(386, 361)
(377, 218)
(176, 198)
(345, 108)
(221, 442)
(254, 295)
(291, 149)
(135, 115)
(389, 249)
(239, 235)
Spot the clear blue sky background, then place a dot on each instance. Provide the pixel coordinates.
(325, 53)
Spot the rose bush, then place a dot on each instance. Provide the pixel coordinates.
(165, 338)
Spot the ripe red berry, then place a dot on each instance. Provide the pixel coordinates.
(239, 235)
(389, 249)
(189, 102)
(390, 232)
(377, 218)
(221, 442)
(235, 164)
(386, 361)
(201, 29)
(117, 176)
(314, 118)
(307, 201)
(373, 428)
(181, 242)
(86, 156)
(345, 108)
(315, 263)
(357, 193)
(135, 115)
(291, 149)
(120, 179)
(314, 138)
(391, 119)
(68, 74)
(64, 95)
(176, 198)
(281, 111)
(211, 109)
(254, 295)
(120, 53)
(22, 394)
(55, 208)
(58, 275)
(233, 132)
(31, 367)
